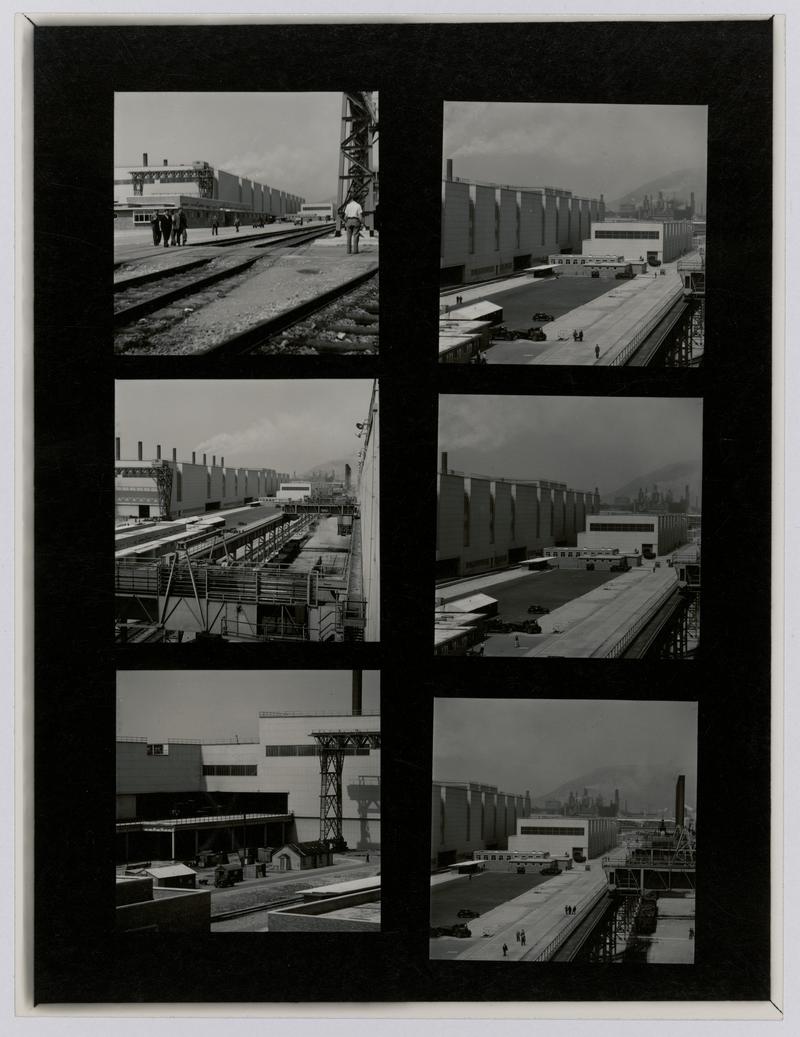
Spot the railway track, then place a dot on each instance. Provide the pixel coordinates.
(136, 298)
(226, 916)
(344, 319)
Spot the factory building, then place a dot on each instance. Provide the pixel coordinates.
(640, 240)
(635, 533)
(200, 189)
(489, 230)
(485, 524)
(589, 836)
(211, 790)
(143, 486)
(468, 816)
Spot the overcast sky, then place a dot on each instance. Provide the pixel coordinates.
(584, 441)
(537, 745)
(289, 425)
(289, 141)
(164, 704)
(589, 149)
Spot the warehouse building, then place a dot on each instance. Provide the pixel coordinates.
(143, 486)
(640, 240)
(491, 229)
(635, 533)
(468, 816)
(484, 524)
(201, 190)
(218, 795)
(587, 836)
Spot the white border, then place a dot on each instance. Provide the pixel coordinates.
(707, 1016)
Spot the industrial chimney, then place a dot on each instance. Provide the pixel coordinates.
(444, 463)
(139, 449)
(144, 158)
(166, 161)
(194, 456)
(174, 454)
(117, 448)
(158, 451)
(449, 169)
(356, 693)
(680, 795)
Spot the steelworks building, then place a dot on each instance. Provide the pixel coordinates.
(491, 229)
(484, 523)
(468, 816)
(200, 189)
(178, 798)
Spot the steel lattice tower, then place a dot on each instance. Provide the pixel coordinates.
(333, 746)
(358, 179)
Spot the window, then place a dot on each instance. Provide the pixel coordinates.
(549, 830)
(225, 770)
(622, 527)
(635, 235)
(158, 749)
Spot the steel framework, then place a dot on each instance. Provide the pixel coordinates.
(202, 175)
(333, 746)
(161, 472)
(357, 178)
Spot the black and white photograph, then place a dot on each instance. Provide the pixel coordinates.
(568, 526)
(249, 513)
(248, 801)
(563, 831)
(573, 234)
(246, 224)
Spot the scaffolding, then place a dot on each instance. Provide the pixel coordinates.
(161, 472)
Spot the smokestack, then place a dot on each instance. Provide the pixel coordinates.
(174, 454)
(680, 794)
(144, 158)
(214, 460)
(204, 458)
(449, 169)
(194, 461)
(117, 448)
(139, 449)
(166, 161)
(444, 463)
(356, 693)
(158, 451)
(222, 462)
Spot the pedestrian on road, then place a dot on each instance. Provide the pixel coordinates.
(580, 336)
(505, 950)
(215, 227)
(597, 352)
(156, 229)
(353, 221)
(522, 938)
(517, 935)
(516, 641)
(236, 224)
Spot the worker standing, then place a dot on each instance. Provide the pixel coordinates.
(353, 221)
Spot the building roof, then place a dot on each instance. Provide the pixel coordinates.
(314, 848)
(169, 871)
(471, 604)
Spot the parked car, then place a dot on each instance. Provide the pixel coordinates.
(625, 275)
(595, 273)
(540, 610)
(466, 913)
(543, 316)
(551, 869)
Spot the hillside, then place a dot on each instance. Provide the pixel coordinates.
(641, 786)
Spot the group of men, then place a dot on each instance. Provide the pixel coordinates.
(171, 227)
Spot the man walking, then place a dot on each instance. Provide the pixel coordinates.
(155, 228)
(353, 219)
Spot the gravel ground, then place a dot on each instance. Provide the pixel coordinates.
(278, 282)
